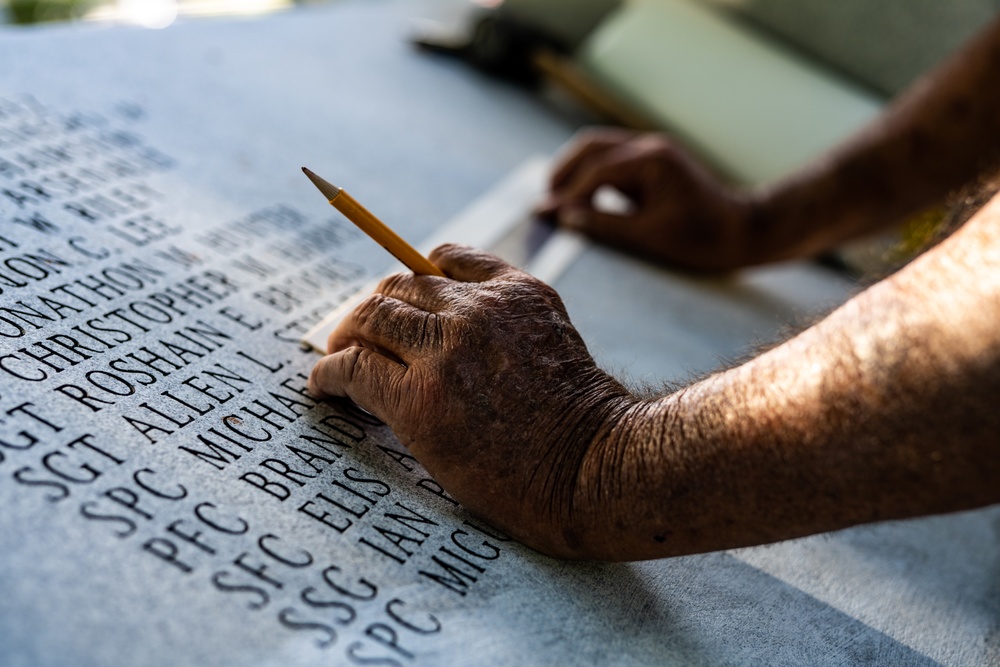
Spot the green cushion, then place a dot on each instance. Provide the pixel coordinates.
(750, 106)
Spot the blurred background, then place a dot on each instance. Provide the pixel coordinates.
(756, 88)
(148, 13)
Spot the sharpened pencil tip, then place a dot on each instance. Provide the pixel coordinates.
(328, 189)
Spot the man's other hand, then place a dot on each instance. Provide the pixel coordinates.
(680, 214)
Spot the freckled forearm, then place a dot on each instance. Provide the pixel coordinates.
(937, 136)
(884, 410)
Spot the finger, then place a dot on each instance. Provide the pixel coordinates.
(565, 170)
(608, 228)
(423, 292)
(392, 327)
(617, 168)
(588, 144)
(361, 374)
(469, 264)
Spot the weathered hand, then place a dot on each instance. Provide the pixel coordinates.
(484, 379)
(681, 214)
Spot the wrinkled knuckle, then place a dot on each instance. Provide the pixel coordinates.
(433, 330)
(521, 285)
(415, 329)
(368, 310)
(546, 291)
(449, 246)
(391, 283)
(350, 362)
(446, 250)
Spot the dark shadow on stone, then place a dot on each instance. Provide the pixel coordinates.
(716, 610)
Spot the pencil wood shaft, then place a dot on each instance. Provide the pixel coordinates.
(375, 228)
(383, 235)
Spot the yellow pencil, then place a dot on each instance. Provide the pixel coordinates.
(374, 227)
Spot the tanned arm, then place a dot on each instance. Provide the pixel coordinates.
(935, 137)
(886, 409)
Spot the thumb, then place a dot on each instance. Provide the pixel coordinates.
(598, 225)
